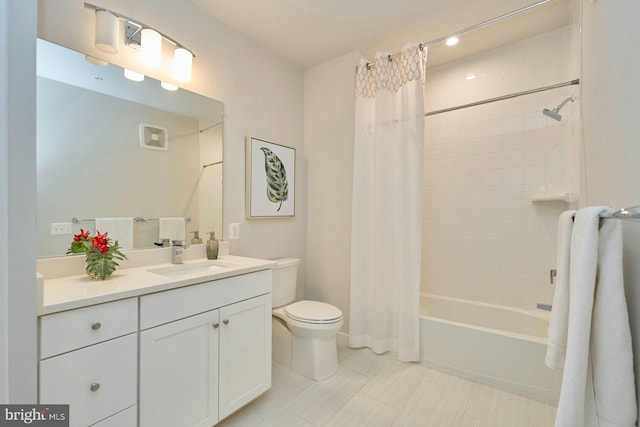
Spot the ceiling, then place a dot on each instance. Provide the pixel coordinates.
(309, 32)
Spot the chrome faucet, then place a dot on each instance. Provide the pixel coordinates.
(177, 246)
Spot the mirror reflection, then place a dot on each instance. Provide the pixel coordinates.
(121, 152)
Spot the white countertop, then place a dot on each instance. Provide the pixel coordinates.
(70, 292)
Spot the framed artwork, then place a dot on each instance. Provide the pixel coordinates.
(270, 179)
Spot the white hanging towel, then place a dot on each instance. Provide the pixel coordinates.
(173, 228)
(598, 386)
(120, 229)
(558, 324)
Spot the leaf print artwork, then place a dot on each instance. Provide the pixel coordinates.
(277, 184)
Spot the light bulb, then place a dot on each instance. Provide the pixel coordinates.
(132, 75)
(151, 47)
(107, 31)
(182, 62)
(168, 86)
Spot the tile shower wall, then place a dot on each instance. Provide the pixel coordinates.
(483, 237)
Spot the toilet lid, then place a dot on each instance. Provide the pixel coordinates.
(313, 312)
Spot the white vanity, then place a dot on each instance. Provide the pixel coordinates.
(157, 344)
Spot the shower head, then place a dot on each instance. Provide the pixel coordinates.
(552, 113)
(555, 113)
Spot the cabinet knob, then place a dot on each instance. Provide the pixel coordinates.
(216, 325)
(95, 386)
(96, 326)
(225, 321)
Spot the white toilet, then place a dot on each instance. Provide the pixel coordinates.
(304, 332)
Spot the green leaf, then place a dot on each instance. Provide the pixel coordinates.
(277, 184)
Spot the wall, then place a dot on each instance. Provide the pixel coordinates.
(18, 369)
(329, 124)
(610, 68)
(483, 239)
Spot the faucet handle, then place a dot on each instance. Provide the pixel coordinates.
(181, 243)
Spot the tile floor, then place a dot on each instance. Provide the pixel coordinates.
(370, 390)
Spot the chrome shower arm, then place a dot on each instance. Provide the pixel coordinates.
(562, 104)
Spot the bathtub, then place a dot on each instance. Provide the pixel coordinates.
(493, 344)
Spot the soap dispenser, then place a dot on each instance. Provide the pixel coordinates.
(212, 246)
(196, 240)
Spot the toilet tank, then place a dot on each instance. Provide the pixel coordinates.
(285, 278)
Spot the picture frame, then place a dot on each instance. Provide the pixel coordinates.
(270, 179)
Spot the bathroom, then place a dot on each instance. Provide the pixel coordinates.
(284, 103)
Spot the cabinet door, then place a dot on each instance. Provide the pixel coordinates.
(179, 373)
(245, 352)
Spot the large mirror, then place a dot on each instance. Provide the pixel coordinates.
(111, 148)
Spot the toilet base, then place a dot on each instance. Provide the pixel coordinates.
(310, 355)
(314, 358)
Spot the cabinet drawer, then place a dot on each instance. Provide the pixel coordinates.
(96, 381)
(126, 418)
(168, 306)
(73, 329)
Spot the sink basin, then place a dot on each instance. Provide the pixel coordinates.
(189, 269)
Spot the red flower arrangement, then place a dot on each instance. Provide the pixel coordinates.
(101, 253)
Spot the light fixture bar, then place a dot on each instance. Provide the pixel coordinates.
(139, 24)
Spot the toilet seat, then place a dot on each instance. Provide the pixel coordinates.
(314, 312)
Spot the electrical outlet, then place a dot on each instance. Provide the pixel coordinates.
(58, 228)
(234, 231)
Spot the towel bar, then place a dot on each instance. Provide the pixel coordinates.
(627, 213)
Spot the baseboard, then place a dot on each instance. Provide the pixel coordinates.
(342, 339)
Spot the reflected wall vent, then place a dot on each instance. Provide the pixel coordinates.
(153, 137)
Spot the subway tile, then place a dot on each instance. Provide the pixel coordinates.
(492, 127)
(534, 120)
(511, 159)
(534, 175)
(512, 141)
(534, 156)
(534, 247)
(512, 176)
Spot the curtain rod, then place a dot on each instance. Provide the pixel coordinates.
(471, 28)
(503, 97)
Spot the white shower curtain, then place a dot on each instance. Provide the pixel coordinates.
(387, 204)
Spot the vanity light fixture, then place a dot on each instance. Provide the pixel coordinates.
(107, 31)
(132, 75)
(143, 37)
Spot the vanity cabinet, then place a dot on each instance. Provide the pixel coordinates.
(88, 359)
(188, 355)
(205, 350)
